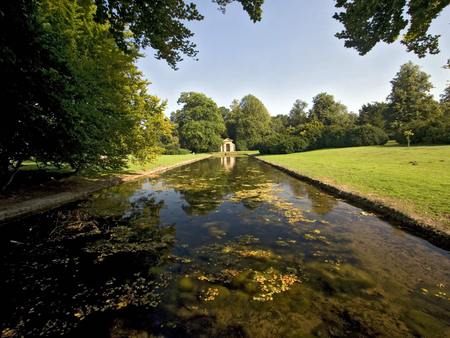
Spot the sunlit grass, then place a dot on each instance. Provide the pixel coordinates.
(162, 161)
(416, 179)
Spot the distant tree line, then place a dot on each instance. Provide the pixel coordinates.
(409, 115)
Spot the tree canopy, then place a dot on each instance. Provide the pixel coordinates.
(298, 113)
(368, 22)
(374, 114)
(327, 111)
(71, 95)
(161, 24)
(410, 98)
(199, 122)
(252, 122)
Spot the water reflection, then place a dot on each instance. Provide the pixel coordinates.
(218, 249)
(228, 162)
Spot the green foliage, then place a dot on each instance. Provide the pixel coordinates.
(366, 135)
(445, 101)
(311, 131)
(374, 114)
(367, 23)
(82, 100)
(279, 123)
(435, 131)
(282, 144)
(200, 123)
(160, 24)
(298, 114)
(356, 136)
(329, 112)
(176, 150)
(410, 98)
(116, 106)
(252, 123)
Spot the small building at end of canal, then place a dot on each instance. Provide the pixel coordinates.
(227, 146)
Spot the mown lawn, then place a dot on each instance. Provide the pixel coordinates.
(162, 161)
(415, 180)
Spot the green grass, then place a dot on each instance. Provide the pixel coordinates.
(415, 180)
(162, 161)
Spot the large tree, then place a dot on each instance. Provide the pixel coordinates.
(199, 122)
(368, 22)
(410, 98)
(252, 122)
(76, 98)
(328, 111)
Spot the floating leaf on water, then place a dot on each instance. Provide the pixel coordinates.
(7, 332)
(209, 294)
(365, 213)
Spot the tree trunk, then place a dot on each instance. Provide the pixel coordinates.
(9, 176)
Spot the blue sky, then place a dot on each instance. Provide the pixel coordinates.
(291, 54)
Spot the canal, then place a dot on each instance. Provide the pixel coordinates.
(224, 247)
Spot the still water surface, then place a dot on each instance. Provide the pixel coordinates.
(225, 247)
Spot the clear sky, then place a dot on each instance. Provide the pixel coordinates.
(291, 54)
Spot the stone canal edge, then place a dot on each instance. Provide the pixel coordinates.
(431, 232)
(52, 201)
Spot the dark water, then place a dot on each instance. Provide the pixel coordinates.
(225, 247)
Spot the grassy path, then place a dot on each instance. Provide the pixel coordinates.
(415, 180)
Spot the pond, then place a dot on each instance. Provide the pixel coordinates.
(224, 247)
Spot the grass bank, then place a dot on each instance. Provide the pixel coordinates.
(162, 161)
(39, 189)
(415, 181)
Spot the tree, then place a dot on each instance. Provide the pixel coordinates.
(77, 98)
(373, 114)
(160, 24)
(199, 122)
(252, 123)
(298, 114)
(445, 96)
(408, 134)
(279, 124)
(445, 101)
(367, 23)
(410, 98)
(329, 112)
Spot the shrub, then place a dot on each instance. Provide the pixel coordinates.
(282, 144)
(333, 137)
(366, 135)
(177, 151)
(426, 132)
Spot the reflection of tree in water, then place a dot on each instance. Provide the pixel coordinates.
(85, 267)
(321, 203)
(205, 184)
